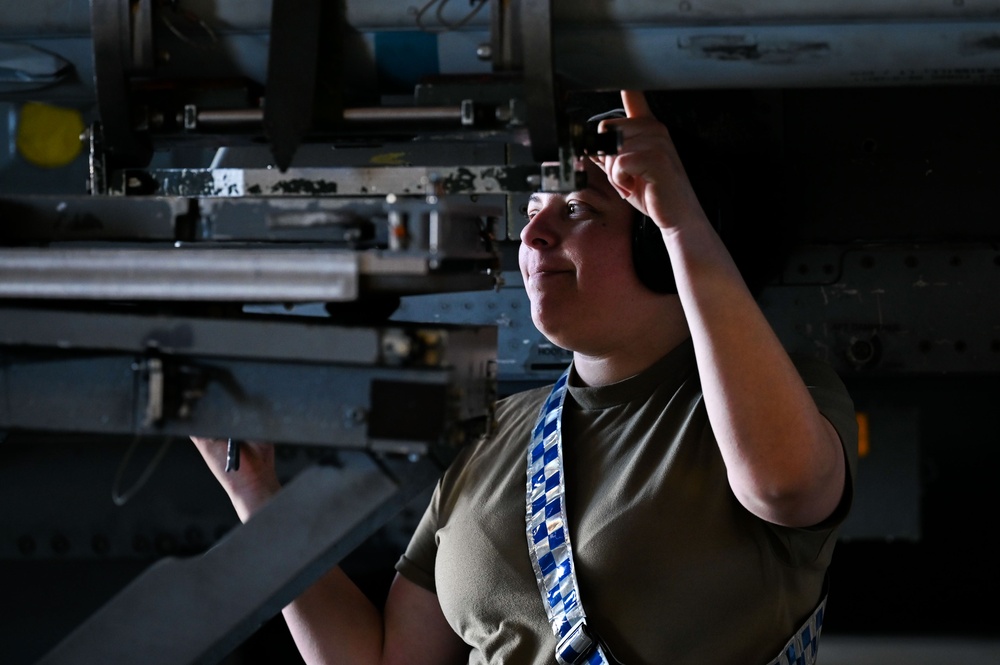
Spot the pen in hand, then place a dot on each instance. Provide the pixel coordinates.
(232, 455)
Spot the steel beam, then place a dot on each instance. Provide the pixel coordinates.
(197, 610)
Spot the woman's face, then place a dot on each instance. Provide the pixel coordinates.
(576, 262)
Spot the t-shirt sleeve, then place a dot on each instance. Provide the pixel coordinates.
(836, 405)
(799, 545)
(417, 562)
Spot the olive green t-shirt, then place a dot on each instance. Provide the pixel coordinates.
(671, 567)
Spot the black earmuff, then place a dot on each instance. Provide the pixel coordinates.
(649, 254)
(650, 257)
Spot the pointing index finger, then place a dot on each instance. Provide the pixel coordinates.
(635, 104)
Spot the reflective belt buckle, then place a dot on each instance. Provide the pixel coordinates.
(576, 646)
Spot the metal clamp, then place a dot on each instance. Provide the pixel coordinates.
(576, 646)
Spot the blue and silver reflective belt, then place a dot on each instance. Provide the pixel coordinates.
(548, 537)
(552, 554)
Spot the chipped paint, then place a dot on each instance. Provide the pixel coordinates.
(746, 48)
(512, 178)
(460, 180)
(347, 181)
(304, 186)
(225, 182)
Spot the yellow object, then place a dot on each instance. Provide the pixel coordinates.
(864, 443)
(390, 159)
(49, 136)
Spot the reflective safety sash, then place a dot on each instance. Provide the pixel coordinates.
(803, 648)
(552, 554)
(548, 537)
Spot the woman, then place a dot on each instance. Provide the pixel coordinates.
(703, 473)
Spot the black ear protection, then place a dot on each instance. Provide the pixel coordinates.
(650, 257)
(649, 254)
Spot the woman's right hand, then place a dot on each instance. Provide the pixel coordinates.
(256, 480)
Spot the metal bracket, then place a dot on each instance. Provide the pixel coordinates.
(113, 28)
(291, 75)
(196, 611)
(154, 391)
(540, 79)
